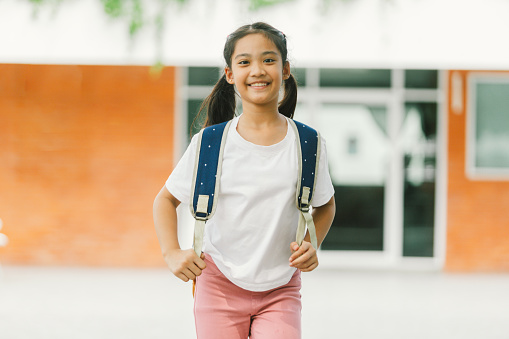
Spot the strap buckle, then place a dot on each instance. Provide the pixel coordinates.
(197, 217)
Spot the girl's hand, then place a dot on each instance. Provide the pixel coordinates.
(304, 256)
(185, 264)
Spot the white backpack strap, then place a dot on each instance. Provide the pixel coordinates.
(207, 172)
(199, 224)
(308, 157)
(306, 219)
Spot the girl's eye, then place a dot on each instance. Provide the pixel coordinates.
(270, 60)
(243, 62)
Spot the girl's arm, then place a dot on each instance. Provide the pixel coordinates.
(304, 257)
(184, 264)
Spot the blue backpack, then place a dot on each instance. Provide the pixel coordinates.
(207, 171)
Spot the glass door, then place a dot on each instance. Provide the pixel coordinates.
(418, 138)
(382, 152)
(357, 146)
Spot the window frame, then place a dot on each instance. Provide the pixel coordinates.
(474, 172)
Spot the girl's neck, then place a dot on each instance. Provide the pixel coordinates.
(262, 128)
(261, 118)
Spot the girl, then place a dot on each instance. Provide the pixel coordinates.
(248, 276)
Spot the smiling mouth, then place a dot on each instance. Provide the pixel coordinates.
(259, 84)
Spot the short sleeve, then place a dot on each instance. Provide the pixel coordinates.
(179, 183)
(324, 190)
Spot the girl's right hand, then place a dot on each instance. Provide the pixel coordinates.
(185, 264)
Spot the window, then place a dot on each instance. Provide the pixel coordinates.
(300, 76)
(418, 140)
(374, 78)
(488, 127)
(357, 148)
(352, 145)
(203, 76)
(421, 78)
(194, 122)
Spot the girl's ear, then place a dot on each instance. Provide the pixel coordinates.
(229, 75)
(286, 71)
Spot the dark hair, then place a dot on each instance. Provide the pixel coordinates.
(220, 104)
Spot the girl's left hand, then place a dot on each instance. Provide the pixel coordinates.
(304, 256)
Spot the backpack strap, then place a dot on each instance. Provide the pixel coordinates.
(308, 155)
(209, 157)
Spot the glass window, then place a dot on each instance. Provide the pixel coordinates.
(194, 123)
(357, 149)
(490, 125)
(300, 76)
(352, 145)
(203, 76)
(418, 136)
(377, 78)
(421, 78)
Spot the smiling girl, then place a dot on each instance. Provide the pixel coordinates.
(248, 276)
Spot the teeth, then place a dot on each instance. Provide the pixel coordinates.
(259, 84)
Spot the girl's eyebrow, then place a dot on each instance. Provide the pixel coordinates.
(249, 55)
(269, 52)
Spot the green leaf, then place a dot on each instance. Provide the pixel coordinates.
(156, 69)
(136, 22)
(113, 8)
(257, 4)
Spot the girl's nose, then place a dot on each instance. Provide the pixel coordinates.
(257, 69)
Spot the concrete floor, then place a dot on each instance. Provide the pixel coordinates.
(92, 303)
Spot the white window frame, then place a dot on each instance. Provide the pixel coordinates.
(474, 172)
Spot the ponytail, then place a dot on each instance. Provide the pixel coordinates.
(287, 105)
(219, 105)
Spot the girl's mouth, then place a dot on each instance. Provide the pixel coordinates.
(259, 84)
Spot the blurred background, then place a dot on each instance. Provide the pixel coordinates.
(97, 100)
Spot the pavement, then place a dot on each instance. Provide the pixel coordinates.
(109, 303)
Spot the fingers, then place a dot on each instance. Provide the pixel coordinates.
(195, 271)
(304, 258)
(184, 277)
(200, 262)
(304, 261)
(186, 265)
(188, 274)
(294, 246)
(298, 251)
(310, 268)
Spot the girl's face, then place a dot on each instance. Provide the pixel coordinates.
(257, 71)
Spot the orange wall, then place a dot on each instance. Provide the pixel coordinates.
(478, 211)
(83, 152)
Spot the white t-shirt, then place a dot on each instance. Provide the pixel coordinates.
(256, 217)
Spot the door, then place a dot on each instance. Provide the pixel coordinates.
(382, 153)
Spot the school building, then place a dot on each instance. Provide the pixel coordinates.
(415, 114)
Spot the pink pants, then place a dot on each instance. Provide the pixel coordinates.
(224, 310)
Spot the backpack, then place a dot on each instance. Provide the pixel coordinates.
(207, 169)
